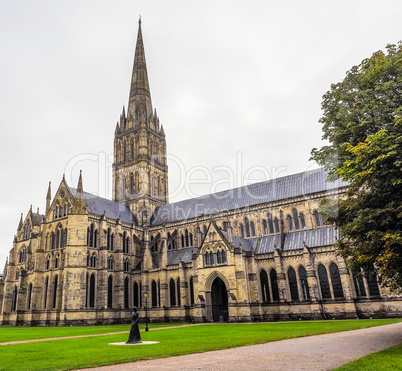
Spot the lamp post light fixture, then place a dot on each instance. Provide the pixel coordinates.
(146, 310)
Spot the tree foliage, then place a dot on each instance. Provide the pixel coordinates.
(363, 123)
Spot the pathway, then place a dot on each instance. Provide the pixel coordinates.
(320, 352)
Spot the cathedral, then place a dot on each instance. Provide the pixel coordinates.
(261, 252)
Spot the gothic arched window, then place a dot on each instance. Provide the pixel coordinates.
(154, 296)
(317, 218)
(294, 292)
(92, 291)
(264, 286)
(178, 292)
(270, 224)
(55, 291)
(359, 284)
(303, 283)
(126, 291)
(276, 224)
(336, 280)
(172, 291)
(247, 224)
(110, 292)
(252, 229)
(324, 283)
(136, 295)
(274, 285)
(289, 223)
(295, 219)
(264, 226)
(241, 230)
(302, 221)
(191, 290)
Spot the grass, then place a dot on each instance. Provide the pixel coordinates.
(11, 333)
(387, 359)
(95, 351)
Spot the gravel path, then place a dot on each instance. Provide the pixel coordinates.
(320, 352)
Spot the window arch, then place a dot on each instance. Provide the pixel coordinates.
(270, 224)
(154, 294)
(264, 286)
(359, 284)
(92, 291)
(336, 280)
(304, 283)
(110, 263)
(110, 292)
(276, 224)
(302, 219)
(172, 289)
(264, 226)
(221, 256)
(294, 292)
(209, 257)
(55, 283)
(241, 227)
(289, 223)
(191, 290)
(274, 285)
(252, 229)
(295, 219)
(126, 265)
(110, 240)
(247, 224)
(317, 219)
(178, 291)
(136, 295)
(372, 283)
(126, 298)
(324, 283)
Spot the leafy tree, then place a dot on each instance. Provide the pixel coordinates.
(363, 123)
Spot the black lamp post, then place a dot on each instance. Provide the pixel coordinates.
(146, 310)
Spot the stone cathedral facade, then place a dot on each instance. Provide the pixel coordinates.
(260, 252)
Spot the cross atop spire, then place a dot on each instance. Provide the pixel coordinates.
(139, 105)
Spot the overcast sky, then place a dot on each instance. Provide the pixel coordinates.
(237, 85)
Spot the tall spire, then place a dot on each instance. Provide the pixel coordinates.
(139, 106)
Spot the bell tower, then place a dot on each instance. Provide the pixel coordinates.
(140, 172)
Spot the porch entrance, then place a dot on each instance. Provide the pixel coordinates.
(219, 298)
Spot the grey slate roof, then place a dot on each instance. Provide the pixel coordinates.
(174, 256)
(325, 236)
(98, 205)
(295, 185)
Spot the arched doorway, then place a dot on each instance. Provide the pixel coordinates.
(219, 298)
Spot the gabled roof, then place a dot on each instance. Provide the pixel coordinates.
(296, 185)
(99, 206)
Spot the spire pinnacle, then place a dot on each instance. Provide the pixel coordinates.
(48, 197)
(139, 105)
(20, 224)
(79, 204)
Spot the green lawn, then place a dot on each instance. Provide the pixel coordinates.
(95, 351)
(388, 359)
(10, 333)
